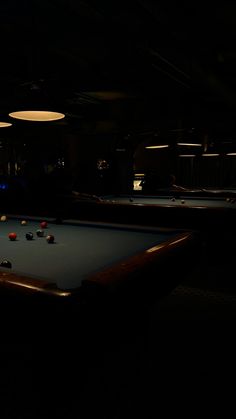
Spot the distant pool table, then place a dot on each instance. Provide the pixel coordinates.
(191, 212)
(182, 200)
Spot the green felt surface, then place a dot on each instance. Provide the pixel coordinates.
(79, 249)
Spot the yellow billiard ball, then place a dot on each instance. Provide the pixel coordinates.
(3, 218)
(23, 223)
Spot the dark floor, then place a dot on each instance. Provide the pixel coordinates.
(179, 356)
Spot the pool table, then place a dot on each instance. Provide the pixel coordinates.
(196, 213)
(172, 200)
(88, 260)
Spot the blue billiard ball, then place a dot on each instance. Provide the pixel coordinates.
(6, 264)
(29, 236)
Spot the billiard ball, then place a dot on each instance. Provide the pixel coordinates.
(29, 236)
(50, 238)
(23, 222)
(6, 263)
(131, 200)
(12, 236)
(228, 199)
(40, 233)
(3, 218)
(173, 199)
(182, 201)
(43, 224)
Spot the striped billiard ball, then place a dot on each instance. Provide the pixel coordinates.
(50, 238)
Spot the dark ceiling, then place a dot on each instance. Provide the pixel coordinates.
(143, 65)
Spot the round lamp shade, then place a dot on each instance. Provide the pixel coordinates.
(38, 116)
(5, 124)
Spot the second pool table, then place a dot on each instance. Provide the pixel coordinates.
(197, 213)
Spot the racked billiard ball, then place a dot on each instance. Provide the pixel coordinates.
(23, 222)
(6, 264)
(43, 224)
(50, 238)
(12, 236)
(40, 233)
(29, 236)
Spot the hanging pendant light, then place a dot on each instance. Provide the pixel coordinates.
(38, 116)
(35, 103)
(5, 124)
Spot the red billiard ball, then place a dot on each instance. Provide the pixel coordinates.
(50, 238)
(12, 236)
(43, 224)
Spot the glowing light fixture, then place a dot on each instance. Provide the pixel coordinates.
(5, 124)
(38, 116)
(157, 146)
(210, 155)
(231, 154)
(187, 155)
(190, 144)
